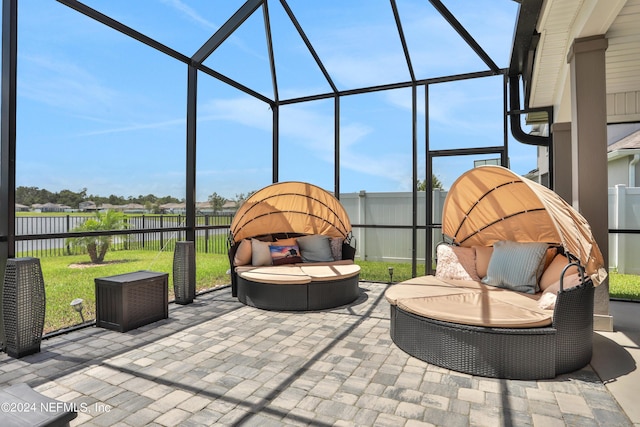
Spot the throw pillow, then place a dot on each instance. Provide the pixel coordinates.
(548, 299)
(455, 262)
(243, 253)
(552, 273)
(315, 248)
(336, 248)
(483, 256)
(260, 253)
(284, 254)
(516, 266)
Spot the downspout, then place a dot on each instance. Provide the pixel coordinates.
(632, 170)
(516, 126)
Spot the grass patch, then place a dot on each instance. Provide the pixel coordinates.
(70, 277)
(378, 271)
(624, 286)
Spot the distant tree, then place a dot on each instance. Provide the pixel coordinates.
(241, 198)
(31, 195)
(436, 183)
(97, 246)
(70, 198)
(116, 200)
(216, 202)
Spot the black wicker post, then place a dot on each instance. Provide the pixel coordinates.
(23, 306)
(184, 272)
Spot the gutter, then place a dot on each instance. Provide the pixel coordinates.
(632, 170)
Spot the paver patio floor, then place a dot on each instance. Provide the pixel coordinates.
(219, 362)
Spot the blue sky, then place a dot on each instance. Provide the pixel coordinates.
(98, 110)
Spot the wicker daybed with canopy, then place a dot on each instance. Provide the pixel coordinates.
(482, 328)
(295, 221)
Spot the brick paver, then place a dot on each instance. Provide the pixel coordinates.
(218, 362)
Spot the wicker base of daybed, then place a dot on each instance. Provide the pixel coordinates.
(316, 295)
(525, 354)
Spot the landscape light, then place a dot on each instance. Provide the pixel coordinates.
(77, 306)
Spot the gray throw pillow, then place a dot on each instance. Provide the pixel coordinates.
(315, 248)
(516, 266)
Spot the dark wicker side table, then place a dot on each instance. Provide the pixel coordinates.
(128, 301)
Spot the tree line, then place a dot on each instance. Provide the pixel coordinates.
(31, 195)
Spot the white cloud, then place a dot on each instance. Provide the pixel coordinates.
(62, 84)
(191, 14)
(314, 132)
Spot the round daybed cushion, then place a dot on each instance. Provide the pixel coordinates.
(277, 275)
(300, 274)
(323, 273)
(476, 309)
(468, 303)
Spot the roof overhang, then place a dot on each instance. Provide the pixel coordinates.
(540, 53)
(619, 154)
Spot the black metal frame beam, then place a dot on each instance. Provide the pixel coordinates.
(190, 172)
(272, 62)
(8, 129)
(124, 29)
(241, 15)
(403, 41)
(446, 14)
(8, 144)
(307, 43)
(391, 86)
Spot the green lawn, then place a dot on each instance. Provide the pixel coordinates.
(70, 277)
(624, 286)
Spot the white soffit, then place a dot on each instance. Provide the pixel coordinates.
(561, 22)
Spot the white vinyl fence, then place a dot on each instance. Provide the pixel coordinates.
(624, 214)
(390, 209)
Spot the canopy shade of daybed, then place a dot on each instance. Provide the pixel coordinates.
(290, 208)
(492, 203)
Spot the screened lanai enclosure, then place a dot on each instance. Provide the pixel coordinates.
(200, 98)
(193, 98)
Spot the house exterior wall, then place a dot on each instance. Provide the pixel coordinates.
(618, 172)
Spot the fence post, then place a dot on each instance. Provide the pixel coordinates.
(620, 222)
(362, 219)
(68, 225)
(206, 235)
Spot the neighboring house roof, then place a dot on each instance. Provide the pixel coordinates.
(229, 204)
(628, 142)
(173, 206)
(625, 147)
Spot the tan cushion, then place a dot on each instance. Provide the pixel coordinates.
(277, 275)
(483, 256)
(423, 286)
(340, 262)
(326, 273)
(552, 274)
(549, 256)
(243, 253)
(478, 309)
(455, 262)
(243, 268)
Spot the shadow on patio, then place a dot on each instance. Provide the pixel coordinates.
(220, 362)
